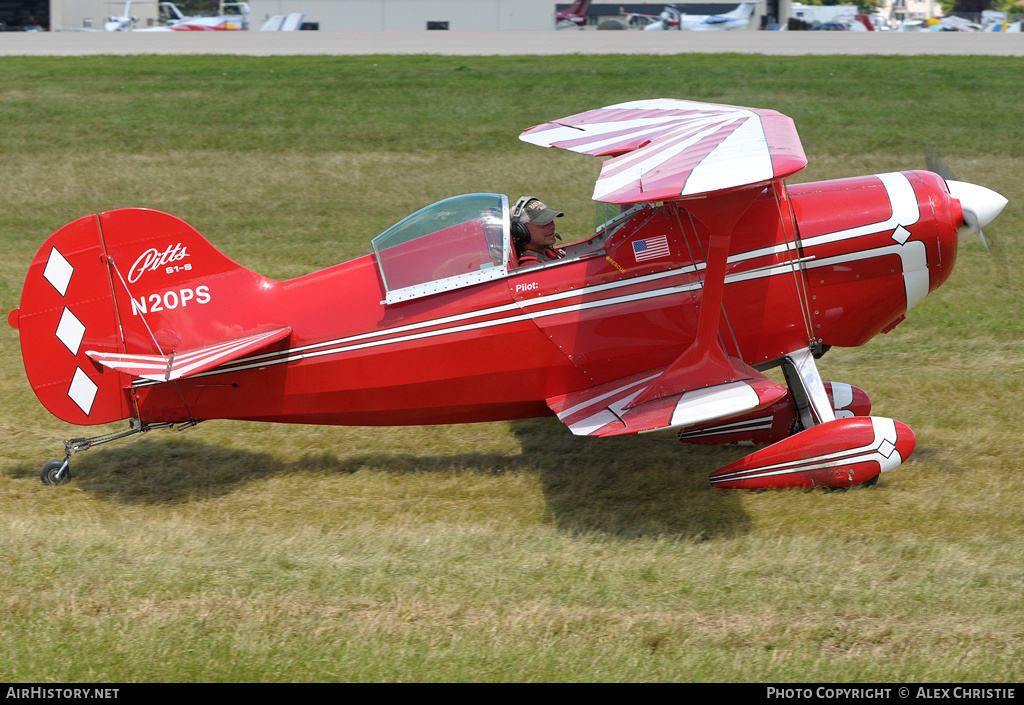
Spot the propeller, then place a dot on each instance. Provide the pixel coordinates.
(980, 205)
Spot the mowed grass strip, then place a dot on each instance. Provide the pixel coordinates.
(506, 551)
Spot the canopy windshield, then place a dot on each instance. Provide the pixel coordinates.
(453, 243)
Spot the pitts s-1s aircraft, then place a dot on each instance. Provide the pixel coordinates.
(704, 271)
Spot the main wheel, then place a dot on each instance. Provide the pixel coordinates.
(867, 484)
(870, 483)
(49, 473)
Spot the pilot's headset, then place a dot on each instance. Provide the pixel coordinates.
(520, 233)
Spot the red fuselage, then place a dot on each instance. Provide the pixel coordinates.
(829, 263)
(833, 263)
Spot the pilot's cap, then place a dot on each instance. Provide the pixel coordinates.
(536, 211)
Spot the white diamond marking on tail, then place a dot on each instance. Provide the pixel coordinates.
(58, 271)
(83, 391)
(70, 331)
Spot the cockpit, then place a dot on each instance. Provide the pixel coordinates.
(461, 241)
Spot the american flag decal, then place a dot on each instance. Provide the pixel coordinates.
(650, 248)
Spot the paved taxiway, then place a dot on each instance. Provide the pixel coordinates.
(467, 43)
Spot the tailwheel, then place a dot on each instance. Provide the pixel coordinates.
(56, 472)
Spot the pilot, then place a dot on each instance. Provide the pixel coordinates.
(533, 231)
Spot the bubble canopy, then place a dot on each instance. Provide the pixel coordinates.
(453, 243)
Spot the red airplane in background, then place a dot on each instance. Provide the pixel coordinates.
(704, 271)
(575, 14)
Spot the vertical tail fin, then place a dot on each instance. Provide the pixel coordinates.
(125, 282)
(67, 299)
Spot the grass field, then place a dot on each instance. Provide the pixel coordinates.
(505, 551)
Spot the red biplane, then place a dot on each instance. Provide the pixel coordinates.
(704, 271)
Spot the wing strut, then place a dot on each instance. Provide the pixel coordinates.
(705, 363)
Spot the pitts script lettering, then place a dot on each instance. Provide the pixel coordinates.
(152, 259)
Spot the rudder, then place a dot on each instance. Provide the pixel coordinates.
(66, 302)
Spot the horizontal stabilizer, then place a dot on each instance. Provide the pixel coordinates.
(176, 365)
(605, 410)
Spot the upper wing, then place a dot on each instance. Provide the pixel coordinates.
(716, 159)
(664, 149)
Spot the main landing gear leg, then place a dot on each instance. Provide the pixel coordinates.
(58, 472)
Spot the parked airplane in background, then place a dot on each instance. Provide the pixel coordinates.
(121, 23)
(236, 21)
(573, 16)
(113, 23)
(178, 22)
(674, 18)
(704, 271)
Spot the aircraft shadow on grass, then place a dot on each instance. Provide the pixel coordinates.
(635, 486)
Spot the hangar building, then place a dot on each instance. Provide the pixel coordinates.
(354, 15)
